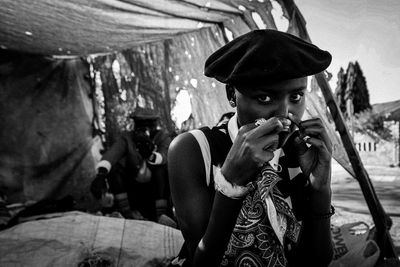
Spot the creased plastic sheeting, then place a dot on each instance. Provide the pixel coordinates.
(139, 85)
(46, 135)
(189, 53)
(151, 76)
(174, 63)
(316, 107)
(82, 27)
(70, 238)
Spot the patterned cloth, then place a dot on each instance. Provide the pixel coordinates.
(266, 224)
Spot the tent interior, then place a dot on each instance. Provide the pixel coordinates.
(72, 71)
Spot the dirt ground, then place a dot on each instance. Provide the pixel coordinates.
(350, 203)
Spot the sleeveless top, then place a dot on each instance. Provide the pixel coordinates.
(254, 241)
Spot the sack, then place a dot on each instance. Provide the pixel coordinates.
(144, 174)
(351, 247)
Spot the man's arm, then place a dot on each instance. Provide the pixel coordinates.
(315, 247)
(113, 154)
(162, 141)
(207, 221)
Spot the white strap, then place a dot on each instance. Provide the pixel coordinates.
(205, 151)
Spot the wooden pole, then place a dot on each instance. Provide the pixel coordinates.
(398, 143)
(380, 218)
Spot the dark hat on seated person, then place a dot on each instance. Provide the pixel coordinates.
(144, 115)
(265, 57)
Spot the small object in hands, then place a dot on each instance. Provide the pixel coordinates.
(260, 121)
(306, 138)
(284, 134)
(297, 122)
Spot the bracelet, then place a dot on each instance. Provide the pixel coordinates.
(316, 216)
(228, 189)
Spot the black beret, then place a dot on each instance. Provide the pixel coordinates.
(265, 57)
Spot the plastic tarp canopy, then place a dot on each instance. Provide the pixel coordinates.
(82, 27)
(47, 108)
(46, 142)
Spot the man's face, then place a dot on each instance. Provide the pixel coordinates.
(275, 100)
(146, 126)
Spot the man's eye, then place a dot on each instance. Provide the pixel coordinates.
(296, 97)
(264, 99)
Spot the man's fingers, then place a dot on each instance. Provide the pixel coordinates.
(311, 122)
(247, 127)
(318, 132)
(300, 145)
(318, 143)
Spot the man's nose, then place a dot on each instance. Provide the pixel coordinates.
(282, 108)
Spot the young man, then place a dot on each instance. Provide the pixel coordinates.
(267, 199)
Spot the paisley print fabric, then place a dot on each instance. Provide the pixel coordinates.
(253, 241)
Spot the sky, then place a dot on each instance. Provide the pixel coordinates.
(364, 30)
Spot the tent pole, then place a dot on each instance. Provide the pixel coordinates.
(167, 108)
(380, 218)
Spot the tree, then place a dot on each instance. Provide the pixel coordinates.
(352, 89)
(352, 97)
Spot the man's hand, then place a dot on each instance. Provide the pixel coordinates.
(99, 185)
(315, 161)
(107, 200)
(143, 143)
(253, 146)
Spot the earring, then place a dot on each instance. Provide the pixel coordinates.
(232, 103)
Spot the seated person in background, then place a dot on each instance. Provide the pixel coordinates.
(147, 125)
(132, 174)
(266, 198)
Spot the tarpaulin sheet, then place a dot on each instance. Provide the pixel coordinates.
(74, 237)
(150, 77)
(317, 108)
(46, 138)
(46, 111)
(81, 27)
(147, 70)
